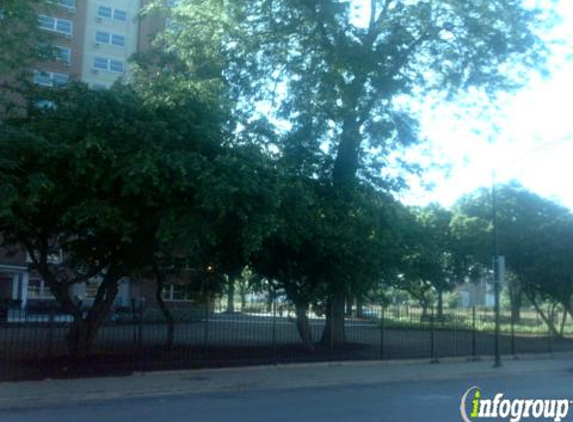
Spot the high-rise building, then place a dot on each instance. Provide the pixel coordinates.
(94, 40)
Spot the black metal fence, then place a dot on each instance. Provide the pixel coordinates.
(34, 344)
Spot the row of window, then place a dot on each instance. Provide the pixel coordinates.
(63, 54)
(110, 65)
(70, 4)
(37, 289)
(176, 292)
(49, 23)
(103, 37)
(112, 13)
(65, 26)
(50, 78)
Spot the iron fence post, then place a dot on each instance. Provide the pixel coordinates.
(140, 328)
(274, 334)
(135, 320)
(474, 345)
(432, 345)
(206, 330)
(50, 331)
(331, 334)
(382, 334)
(512, 334)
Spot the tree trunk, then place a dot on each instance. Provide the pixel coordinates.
(303, 326)
(359, 307)
(79, 339)
(334, 328)
(440, 316)
(230, 295)
(243, 294)
(165, 311)
(516, 298)
(563, 321)
(548, 321)
(349, 307)
(83, 332)
(424, 317)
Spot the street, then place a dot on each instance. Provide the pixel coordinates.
(432, 395)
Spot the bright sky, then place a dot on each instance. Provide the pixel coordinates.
(534, 144)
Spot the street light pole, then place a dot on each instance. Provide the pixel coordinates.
(496, 281)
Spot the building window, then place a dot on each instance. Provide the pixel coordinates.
(64, 3)
(101, 63)
(37, 289)
(103, 37)
(91, 289)
(176, 293)
(119, 15)
(109, 13)
(63, 54)
(118, 40)
(49, 23)
(104, 12)
(50, 78)
(116, 66)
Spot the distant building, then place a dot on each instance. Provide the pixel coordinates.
(23, 288)
(94, 40)
(480, 293)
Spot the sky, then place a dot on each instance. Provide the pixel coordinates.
(534, 143)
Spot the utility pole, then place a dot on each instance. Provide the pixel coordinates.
(496, 282)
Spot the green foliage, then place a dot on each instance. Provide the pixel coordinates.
(534, 234)
(334, 80)
(324, 243)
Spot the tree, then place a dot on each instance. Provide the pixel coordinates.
(431, 265)
(334, 80)
(311, 252)
(289, 257)
(97, 175)
(534, 236)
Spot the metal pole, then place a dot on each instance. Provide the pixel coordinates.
(274, 335)
(512, 335)
(474, 348)
(432, 337)
(497, 353)
(206, 330)
(549, 339)
(382, 334)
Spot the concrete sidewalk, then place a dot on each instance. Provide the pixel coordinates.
(29, 394)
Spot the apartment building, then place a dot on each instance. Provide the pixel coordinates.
(94, 40)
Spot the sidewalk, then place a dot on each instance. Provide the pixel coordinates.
(153, 384)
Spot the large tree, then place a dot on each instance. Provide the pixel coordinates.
(534, 236)
(98, 175)
(429, 261)
(328, 82)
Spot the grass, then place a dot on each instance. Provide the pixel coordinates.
(526, 327)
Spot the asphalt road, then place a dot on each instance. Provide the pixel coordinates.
(424, 400)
